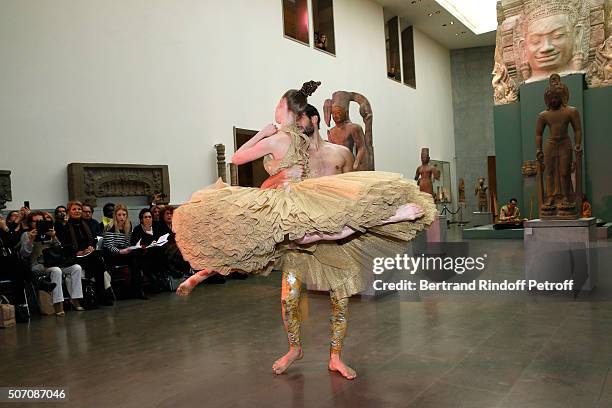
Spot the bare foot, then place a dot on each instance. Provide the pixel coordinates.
(407, 212)
(283, 363)
(189, 285)
(336, 364)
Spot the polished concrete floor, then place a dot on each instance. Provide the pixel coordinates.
(216, 348)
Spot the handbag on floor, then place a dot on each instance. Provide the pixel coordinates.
(90, 300)
(45, 303)
(7, 313)
(22, 314)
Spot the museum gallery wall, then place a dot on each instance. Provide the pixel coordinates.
(135, 83)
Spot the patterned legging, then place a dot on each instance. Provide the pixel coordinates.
(290, 303)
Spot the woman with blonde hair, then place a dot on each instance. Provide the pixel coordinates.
(117, 250)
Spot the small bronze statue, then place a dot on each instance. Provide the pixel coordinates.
(556, 195)
(481, 192)
(425, 172)
(461, 191)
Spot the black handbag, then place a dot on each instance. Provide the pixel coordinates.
(22, 314)
(59, 255)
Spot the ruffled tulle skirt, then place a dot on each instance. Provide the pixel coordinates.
(227, 228)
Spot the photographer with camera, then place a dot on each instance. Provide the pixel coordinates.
(41, 236)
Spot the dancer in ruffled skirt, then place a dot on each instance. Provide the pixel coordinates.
(325, 230)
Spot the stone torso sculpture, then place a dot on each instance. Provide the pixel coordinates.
(557, 199)
(481, 193)
(425, 172)
(461, 191)
(347, 133)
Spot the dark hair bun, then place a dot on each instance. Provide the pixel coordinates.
(310, 87)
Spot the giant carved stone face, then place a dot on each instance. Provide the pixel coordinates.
(549, 46)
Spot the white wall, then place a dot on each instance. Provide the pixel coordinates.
(162, 81)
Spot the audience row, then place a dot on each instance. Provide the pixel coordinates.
(74, 248)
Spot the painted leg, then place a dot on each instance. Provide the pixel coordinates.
(338, 324)
(187, 287)
(290, 305)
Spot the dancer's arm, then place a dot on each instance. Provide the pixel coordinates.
(283, 176)
(257, 146)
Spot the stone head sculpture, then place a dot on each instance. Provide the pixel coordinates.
(425, 155)
(552, 37)
(337, 107)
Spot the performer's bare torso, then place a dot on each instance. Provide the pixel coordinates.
(328, 159)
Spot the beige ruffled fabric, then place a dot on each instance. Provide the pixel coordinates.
(229, 228)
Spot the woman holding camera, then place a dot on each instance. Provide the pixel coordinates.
(41, 236)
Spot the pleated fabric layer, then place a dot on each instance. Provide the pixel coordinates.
(246, 229)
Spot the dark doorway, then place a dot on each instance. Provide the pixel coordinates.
(251, 174)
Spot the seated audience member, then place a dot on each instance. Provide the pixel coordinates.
(60, 217)
(94, 226)
(41, 236)
(175, 264)
(117, 248)
(510, 213)
(77, 233)
(155, 210)
(107, 214)
(165, 220)
(151, 259)
(146, 232)
(11, 229)
(15, 271)
(23, 217)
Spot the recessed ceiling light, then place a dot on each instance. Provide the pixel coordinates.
(452, 22)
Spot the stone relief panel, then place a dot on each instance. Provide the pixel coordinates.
(87, 181)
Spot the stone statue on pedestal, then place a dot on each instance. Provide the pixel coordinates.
(556, 194)
(481, 193)
(425, 172)
(347, 133)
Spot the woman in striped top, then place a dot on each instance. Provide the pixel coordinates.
(117, 251)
